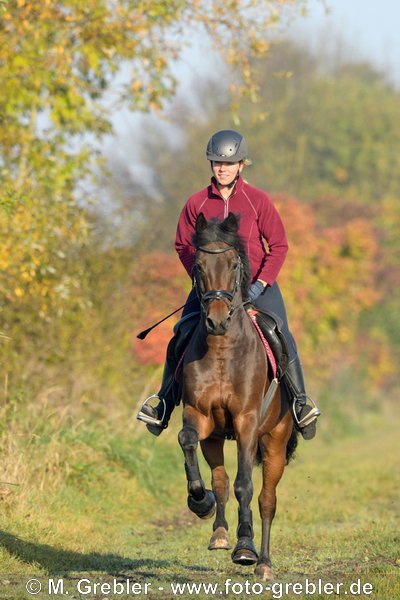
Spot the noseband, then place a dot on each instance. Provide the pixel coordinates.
(224, 295)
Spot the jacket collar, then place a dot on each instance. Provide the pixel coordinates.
(214, 191)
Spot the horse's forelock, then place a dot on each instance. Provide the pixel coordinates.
(219, 231)
(226, 232)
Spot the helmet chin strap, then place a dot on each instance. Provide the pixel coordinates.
(232, 183)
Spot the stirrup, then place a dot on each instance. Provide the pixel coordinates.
(146, 418)
(309, 417)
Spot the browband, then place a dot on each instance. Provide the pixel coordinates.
(215, 250)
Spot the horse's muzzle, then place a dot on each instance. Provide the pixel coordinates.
(216, 328)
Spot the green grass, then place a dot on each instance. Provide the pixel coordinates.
(108, 501)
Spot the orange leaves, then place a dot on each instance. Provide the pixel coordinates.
(159, 285)
(163, 272)
(151, 351)
(328, 280)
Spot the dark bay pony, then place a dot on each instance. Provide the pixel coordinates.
(225, 378)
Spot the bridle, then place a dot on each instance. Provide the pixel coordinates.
(224, 295)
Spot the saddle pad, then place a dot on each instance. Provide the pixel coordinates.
(179, 368)
(270, 355)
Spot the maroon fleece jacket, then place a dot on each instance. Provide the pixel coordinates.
(259, 220)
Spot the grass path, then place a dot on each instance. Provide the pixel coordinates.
(337, 520)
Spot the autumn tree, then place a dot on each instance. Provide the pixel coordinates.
(331, 129)
(65, 67)
(159, 285)
(329, 279)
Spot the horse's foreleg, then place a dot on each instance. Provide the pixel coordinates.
(245, 552)
(213, 451)
(200, 500)
(274, 460)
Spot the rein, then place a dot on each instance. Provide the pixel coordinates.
(226, 296)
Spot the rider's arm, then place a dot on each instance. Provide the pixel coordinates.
(184, 234)
(272, 230)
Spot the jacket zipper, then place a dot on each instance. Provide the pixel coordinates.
(226, 202)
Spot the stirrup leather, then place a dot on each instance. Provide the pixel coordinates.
(309, 417)
(142, 416)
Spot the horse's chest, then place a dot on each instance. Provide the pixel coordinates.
(218, 380)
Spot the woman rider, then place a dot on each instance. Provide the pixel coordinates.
(259, 220)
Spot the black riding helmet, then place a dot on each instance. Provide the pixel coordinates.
(227, 146)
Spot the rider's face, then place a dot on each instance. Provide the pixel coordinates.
(225, 172)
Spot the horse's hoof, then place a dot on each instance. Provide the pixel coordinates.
(264, 572)
(219, 540)
(204, 508)
(245, 552)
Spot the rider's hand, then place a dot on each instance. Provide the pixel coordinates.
(255, 290)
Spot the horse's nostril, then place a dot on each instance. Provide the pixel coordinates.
(210, 323)
(214, 327)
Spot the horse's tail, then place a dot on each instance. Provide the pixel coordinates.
(290, 448)
(291, 445)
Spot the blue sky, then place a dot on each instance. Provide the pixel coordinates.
(369, 28)
(361, 29)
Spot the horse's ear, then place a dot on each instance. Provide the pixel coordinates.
(201, 223)
(231, 222)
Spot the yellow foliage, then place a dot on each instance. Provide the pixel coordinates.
(341, 175)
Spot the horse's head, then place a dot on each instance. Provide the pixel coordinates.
(220, 271)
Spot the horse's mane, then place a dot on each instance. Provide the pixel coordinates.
(227, 232)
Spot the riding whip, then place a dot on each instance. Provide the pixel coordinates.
(144, 333)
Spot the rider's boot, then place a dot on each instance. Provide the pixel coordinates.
(305, 415)
(157, 416)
